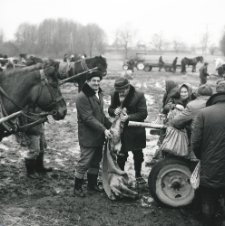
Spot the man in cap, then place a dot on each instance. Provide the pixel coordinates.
(203, 73)
(208, 145)
(92, 129)
(133, 139)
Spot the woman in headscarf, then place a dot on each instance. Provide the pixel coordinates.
(174, 98)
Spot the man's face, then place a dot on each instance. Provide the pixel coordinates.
(123, 93)
(94, 83)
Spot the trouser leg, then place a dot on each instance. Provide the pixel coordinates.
(85, 161)
(138, 159)
(121, 159)
(210, 203)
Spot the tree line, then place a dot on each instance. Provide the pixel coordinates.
(56, 37)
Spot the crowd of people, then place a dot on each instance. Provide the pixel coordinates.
(201, 114)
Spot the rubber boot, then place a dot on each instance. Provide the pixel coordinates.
(30, 166)
(40, 166)
(78, 191)
(92, 182)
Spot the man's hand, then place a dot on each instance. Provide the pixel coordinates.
(124, 117)
(117, 111)
(108, 134)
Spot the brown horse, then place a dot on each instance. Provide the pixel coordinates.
(70, 69)
(20, 87)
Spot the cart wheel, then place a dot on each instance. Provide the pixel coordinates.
(140, 66)
(169, 183)
(125, 67)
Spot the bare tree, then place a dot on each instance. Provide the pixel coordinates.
(205, 41)
(1, 37)
(157, 41)
(212, 49)
(126, 36)
(176, 44)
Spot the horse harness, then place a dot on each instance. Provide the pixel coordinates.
(12, 125)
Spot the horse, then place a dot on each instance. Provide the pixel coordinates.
(37, 86)
(186, 61)
(70, 69)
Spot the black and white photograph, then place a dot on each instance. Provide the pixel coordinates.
(112, 113)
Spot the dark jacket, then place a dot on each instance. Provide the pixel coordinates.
(176, 99)
(203, 72)
(133, 138)
(92, 121)
(208, 142)
(188, 116)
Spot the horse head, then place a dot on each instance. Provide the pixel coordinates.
(47, 94)
(200, 59)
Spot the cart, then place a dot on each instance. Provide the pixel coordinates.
(169, 179)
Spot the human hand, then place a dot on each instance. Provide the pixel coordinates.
(179, 107)
(117, 111)
(108, 134)
(124, 117)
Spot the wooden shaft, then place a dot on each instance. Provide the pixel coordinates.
(147, 125)
(74, 76)
(10, 116)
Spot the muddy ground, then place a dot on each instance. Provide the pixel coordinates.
(50, 200)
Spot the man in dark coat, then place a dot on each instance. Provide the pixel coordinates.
(161, 63)
(203, 73)
(92, 128)
(133, 139)
(208, 145)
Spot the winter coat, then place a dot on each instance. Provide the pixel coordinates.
(133, 138)
(92, 121)
(208, 142)
(188, 116)
(176, 99)
(203, 72)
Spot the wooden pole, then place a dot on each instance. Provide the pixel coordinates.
(10, 116)
(146, 125)
(74, 76)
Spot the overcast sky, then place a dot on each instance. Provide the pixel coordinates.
(186, 20)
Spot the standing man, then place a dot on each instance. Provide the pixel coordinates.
(161, 63)
(208, 144)
(133, 139)
(65, 58)
(174, 64)
(203, 73)
(93, 127)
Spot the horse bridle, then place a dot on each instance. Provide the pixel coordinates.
(44, 81)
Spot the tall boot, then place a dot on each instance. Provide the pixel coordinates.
(39, 164)
(137, 168)
(78, 191)
(30, 166)
(92, 182)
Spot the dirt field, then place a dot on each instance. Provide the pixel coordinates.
(50, 200)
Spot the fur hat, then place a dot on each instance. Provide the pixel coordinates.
(205, 90)
(220, 86)
(93, 74)
(121, 84)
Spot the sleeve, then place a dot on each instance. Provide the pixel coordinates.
(112, 106)
(181, 120)
(197, 136)
(169, 106)
(107, 123)
(86, 112)
(141, 113)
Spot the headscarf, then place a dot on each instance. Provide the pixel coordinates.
(172, 90)
(189, 89)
